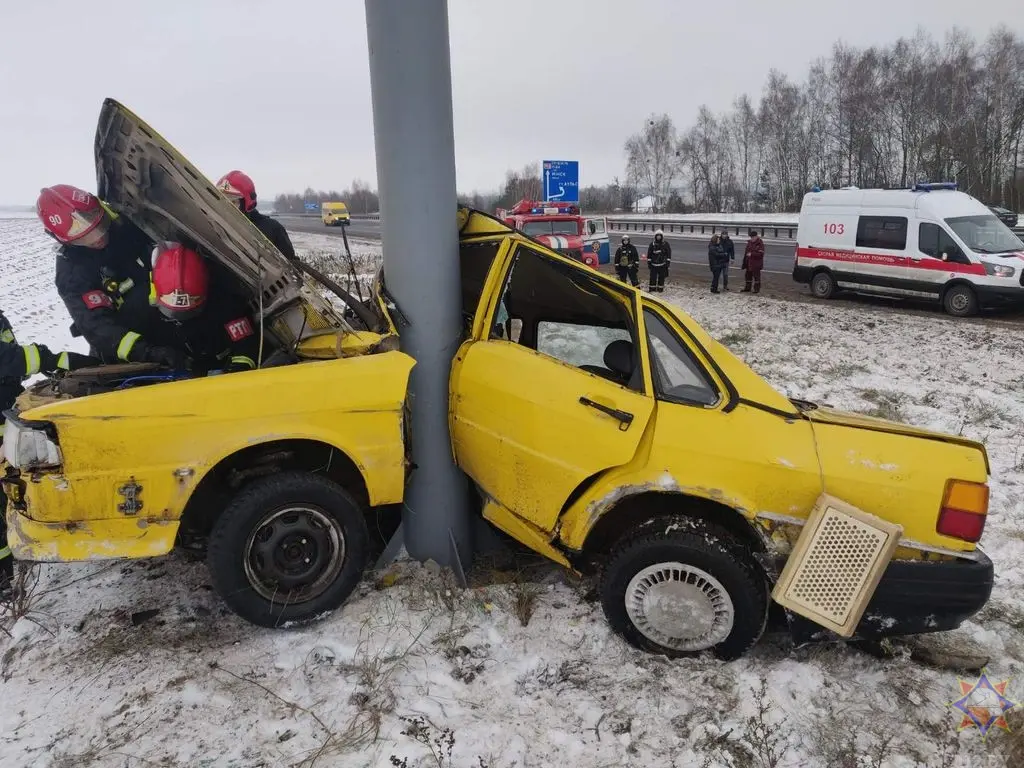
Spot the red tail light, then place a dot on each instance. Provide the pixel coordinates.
(964, 510)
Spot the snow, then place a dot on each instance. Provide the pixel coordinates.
(84, 684)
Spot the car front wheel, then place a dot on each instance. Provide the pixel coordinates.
(681, 587)
(288, 549)
(960, 301)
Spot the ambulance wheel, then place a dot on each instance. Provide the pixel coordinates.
(680, 587)
(288, 549)
(960, 301)
(823, 285)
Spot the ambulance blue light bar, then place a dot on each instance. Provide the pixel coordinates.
(952, 185)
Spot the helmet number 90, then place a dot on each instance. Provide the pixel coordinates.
(55, 220)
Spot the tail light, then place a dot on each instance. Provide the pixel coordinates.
(964, 510)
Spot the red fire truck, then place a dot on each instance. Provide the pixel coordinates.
(561, 227)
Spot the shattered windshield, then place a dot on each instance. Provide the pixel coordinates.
(549, 227)
(985, 234)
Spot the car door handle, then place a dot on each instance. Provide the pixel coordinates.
(624, 418)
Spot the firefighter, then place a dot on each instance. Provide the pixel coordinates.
(627, 262)
(17, 363)
(659, 259)
(102, 277)
(215, 334)
(240, 188)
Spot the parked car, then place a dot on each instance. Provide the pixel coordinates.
(601, 427)
(1009, 218)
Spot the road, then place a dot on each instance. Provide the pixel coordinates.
(690, 265)
(778, 256)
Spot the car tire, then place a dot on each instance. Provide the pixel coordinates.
(960, 301)
(288, 549)
(823, 285)
(680, 560)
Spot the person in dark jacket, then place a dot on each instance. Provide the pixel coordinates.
(213, 327)
(718, 261)
(17, 363)
(627, 262)
(730, 250)
(659, 259)
(753, 262)
(239, 187)
(102, 275)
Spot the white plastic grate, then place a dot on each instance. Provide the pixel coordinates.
(836, 565)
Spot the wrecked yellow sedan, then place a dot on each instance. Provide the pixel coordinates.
(602, 428)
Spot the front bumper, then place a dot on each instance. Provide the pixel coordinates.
(991, 296)
(917, 597)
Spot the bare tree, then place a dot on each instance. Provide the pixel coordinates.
(652, 158)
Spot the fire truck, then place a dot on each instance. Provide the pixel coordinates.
(561, 227)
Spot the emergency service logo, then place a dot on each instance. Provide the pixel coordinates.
(983, 704)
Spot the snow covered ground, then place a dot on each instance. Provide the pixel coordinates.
(523, 670)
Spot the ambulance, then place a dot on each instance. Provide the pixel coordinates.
(927, 242)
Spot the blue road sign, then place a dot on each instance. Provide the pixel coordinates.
(312, 206)
(562, 181)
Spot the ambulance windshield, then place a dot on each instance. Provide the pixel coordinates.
(985, 234)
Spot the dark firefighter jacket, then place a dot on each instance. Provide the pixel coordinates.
(659, 254)
(275, 232)
(627, 256)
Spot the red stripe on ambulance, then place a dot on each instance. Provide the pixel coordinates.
(883, 260)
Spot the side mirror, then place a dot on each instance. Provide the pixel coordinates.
(592, 227)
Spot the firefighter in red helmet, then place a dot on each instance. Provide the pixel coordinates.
(239, 187)
(102, 276)
(214, 328)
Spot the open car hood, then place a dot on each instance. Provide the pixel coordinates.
(141, 176)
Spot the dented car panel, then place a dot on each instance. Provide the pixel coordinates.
(138, 454)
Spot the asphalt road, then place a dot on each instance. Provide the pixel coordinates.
(778, 257)
(690, 265)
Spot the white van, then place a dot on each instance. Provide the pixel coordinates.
(929, 242)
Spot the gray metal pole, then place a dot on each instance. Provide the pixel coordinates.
(410, 79)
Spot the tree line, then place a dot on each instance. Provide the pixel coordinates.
(916, 110)
(360, 198)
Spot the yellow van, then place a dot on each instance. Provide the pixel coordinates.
(334, 214)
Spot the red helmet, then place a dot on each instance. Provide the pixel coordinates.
(239, 187)
(72, 215)
(181, 281)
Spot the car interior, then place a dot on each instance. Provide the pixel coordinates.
(554, 309)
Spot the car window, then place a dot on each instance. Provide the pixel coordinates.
(985, 234)
(678, 377)
(885, 232)
(569, 314)
(934, 241)
(575, 344)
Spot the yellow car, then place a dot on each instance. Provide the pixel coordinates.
(602, 428)
(334, 214)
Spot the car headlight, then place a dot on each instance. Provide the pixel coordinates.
(29, 448)
(999, 270)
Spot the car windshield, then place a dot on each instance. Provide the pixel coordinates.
(985, 234)
(548, 227)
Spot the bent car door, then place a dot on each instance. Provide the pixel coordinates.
(552, 389)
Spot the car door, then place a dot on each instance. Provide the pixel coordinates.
(936, 259)
(566, 397)
(595, 238)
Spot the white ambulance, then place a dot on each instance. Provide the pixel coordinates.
(928, 242)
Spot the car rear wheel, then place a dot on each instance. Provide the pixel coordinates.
(682, 588)
(288, 549)
(823, 285)
(960, 301)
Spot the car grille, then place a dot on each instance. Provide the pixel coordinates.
(575, 255)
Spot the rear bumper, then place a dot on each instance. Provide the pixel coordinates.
(917, 597)
(802, 274)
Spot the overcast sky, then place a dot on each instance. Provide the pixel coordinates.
(282, 89)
